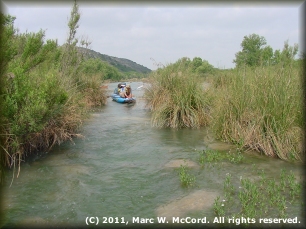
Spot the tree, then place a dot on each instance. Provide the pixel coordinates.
(205, 67)
(288, 53)
(196, 62)
(266, 56)
(253, 51)
(71, 56)
(286, 56)
(201, 66)
(70, 53)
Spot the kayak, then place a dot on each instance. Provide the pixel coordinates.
(119, 99)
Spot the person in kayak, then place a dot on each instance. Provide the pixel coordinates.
(126, 93)
(117, 89)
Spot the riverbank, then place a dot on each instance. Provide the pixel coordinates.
(47, 93)
(258, 109)
(261, 109)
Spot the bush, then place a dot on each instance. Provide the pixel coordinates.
(103, 69)
(46, 95)
(176, 97)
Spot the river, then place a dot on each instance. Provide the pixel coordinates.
(124, 168)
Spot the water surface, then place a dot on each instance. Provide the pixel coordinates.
(125, 168)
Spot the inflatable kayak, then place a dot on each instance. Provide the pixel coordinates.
(119, 99)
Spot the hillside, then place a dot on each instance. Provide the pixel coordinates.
(123, 65)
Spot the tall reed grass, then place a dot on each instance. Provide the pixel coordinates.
(261, 109)
(176, 97)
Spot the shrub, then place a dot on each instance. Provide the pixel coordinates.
(46, 96)
(176, 97)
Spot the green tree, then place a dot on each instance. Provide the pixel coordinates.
(201, 66)
(196, 62)
(287, 56)
(289, 53)
(266, 56)
(276, 57)
(205, 67)
(254, 52)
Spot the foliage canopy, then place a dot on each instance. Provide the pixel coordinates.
(256, 52)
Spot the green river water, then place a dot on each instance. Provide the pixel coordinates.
(124, 168)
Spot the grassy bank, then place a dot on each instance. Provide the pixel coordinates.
(258, 108)
(261, 109)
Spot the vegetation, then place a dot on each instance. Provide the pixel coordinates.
(202, 67)
(48, 89)
(4, 46)
(261, 198)
(109, 71)
(208, 156)
(255, 53)
(187, 180)
(117, 69)
(257, 105)
(46, 95)
(100, 69)
(176, 97)
(261, 108)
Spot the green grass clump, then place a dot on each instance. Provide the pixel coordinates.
(261, 109)
(176, 97)
(209, 156)
(185, 177)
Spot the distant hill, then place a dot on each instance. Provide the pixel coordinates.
(123, 65)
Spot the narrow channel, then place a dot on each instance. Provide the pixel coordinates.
(123, 167)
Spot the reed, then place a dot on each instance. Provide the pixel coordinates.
(261, 109)
(176, 97)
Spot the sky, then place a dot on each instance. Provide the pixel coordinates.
(151, 33)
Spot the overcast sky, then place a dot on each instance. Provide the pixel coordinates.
(164, 32)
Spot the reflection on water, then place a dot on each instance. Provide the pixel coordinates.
(124, 168)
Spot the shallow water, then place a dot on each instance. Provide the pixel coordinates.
(125, 168)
